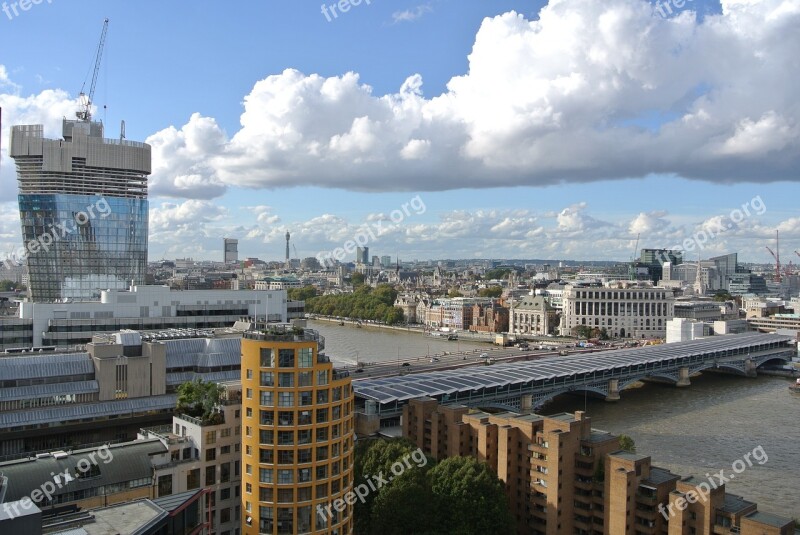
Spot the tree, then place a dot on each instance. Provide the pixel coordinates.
(357, 279)
(453, 292)
(626, 443)
(471, 498)
(604, 334)
(199, 399)
(492, 291)
(301, 294)
(7, 285)
(407, 505)
(311, 264)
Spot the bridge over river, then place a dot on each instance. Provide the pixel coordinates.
(528, 385)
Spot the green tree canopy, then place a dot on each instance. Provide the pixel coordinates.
(475, 499)
(364, 303)
(626, 443)
(458, 496)
(453, 292)
(492, 291)
(301, 294)
(198, 399)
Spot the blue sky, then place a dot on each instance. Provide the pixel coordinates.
(562, 132)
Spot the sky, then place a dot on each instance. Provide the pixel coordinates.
(429, 130)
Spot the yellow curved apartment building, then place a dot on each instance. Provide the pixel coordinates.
(297, 445)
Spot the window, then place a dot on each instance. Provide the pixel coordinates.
(285, 477)
(337, 393)
(305, 378)
(285, 418)
(164, 485)
(304, 418)
(211, 475)
(286, 380)
(266, 436)
(193, 479)
(322, 472)
(322, 378)
(267, 358)
(267, 399)
(322, 416)
(304, 475)
(225, 472)
(248, 374)
(211, 454)
(267, 379)
(266, 456)
(285, 438)
(322, 453)
(286, 358)
(322, 434)
(336, 412)
(265, 494)
(322, 490)
(304, 436)
(225, 494)
(267, 417)
(305, 356)
(286, 399)
(265, 475)
(285, 456)
(286, 496)
(306, 398)
(304, 455)
(248, 393)
(224, 450)
(304, 494)
(266, 520)
(322, 396)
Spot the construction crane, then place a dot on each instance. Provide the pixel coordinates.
(777, 257)
(85, 111)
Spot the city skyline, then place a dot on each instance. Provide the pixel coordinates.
(486, 195)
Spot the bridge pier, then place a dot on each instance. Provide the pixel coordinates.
(613, 390)
(526, 403)
(750, 368)
(683, 377)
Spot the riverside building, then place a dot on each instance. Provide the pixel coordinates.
(298, 435)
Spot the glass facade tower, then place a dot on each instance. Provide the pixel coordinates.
(83, 209)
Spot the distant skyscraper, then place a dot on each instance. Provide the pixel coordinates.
(386, 261)
(362, 255)
(83, 208)
(231, 248)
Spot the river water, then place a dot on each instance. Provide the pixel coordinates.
(697, 430)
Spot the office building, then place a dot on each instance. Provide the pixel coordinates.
(83, 209)
(362, 255)
(204, 454)
(562, 476)
(533, 316)
(654, 259)
(623, 311)
(386, 261)
(231, 250)
(140, 308)
(298, 435)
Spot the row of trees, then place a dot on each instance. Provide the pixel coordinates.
(364, 303)
(456, 496)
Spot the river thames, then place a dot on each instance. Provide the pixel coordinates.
(696, 431)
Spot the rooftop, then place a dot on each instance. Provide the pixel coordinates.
(769, 519)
